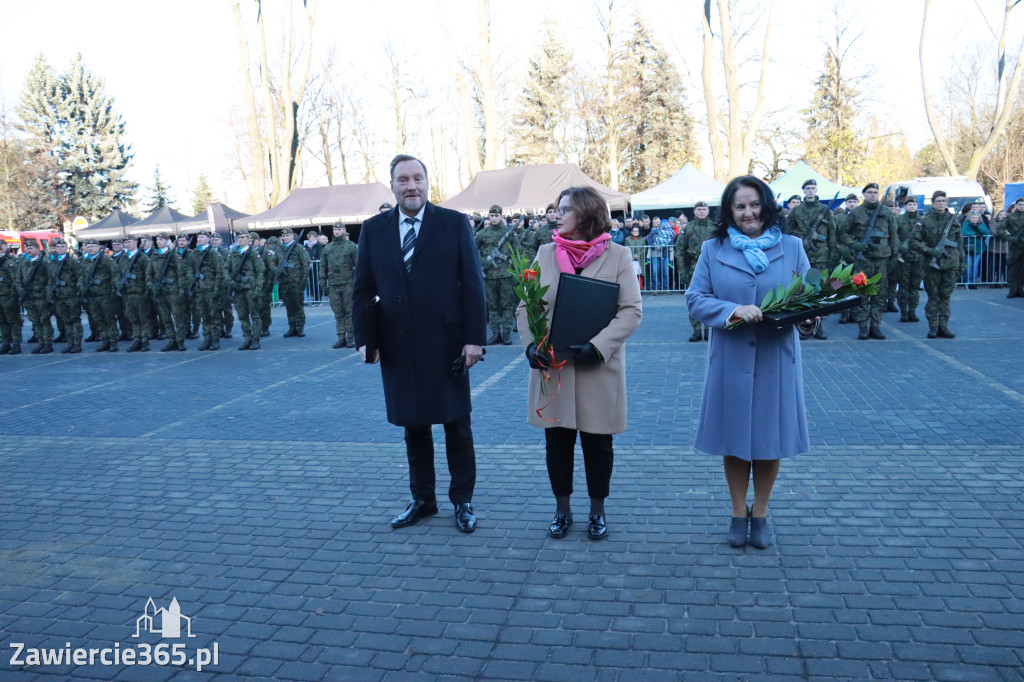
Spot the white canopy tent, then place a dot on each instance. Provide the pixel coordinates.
(682, 190)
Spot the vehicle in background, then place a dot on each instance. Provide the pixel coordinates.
(959, 190)
(17, 239)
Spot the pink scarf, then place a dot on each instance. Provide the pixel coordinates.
(573, 255)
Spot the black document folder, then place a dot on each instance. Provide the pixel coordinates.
(583, 308)
(372, 321)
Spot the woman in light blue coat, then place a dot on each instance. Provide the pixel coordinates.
(752, 411)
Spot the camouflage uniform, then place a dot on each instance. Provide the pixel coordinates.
(270, 256)
(815, 225)
(225, 313)
(191, 313)
(123, 323)
(942, 265)
(687, 251)
(337, 270)
(166, 278)
(10, 310)
(291, 284)
(99, 276)
(156, 325)
(543, 234)
(1014, 231)
(33, 287)
(206, 281)
(245, 277)
(66, 275)
(501, 298)
(910, 273)
(871, 258)
(138, 305)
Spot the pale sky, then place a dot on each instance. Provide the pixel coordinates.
(172, 67)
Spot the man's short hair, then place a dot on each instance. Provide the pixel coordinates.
(405, 157)
(551, 207)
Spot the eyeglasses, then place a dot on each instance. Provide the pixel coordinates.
(562, 210)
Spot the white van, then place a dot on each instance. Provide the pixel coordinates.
(959, 190)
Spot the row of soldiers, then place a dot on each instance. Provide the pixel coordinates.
(154, 289)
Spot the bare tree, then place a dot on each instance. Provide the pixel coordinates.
(611, 105)
(741, 129)
(1008, 84)
(470, 137)
(485, 82)
(258, 185)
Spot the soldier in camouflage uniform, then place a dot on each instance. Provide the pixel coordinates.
(206, 282)
(542, 233)
(34, 282)
(495, 242)
(123, 323)
(812, 221)
(244, 275)
(687, 251)
(1013, 227)
(225, 313)
(10, 310)
(869, 241)
(166, 278)
(291, 274)
(66, 294)
(192, 327)
(134, 290)
(940, 243)
(270, 255)
(337, 270)
(842, 217)
(910, 272)
(891, 293)
(98, 279)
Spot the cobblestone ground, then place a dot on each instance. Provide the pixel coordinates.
(255, 489)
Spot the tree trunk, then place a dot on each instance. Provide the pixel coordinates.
(327, 152)
(269, 110)
(714, 136)
(258, 187)
(754, 123)
(940, 142)
(470, 138)
(487, 95)
(292, 98)
(341, 145)
(610, 104)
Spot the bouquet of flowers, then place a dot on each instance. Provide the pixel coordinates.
(531, 293)
(816, 289)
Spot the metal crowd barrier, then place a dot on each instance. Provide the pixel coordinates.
(985, 261)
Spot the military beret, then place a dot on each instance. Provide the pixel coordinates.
(809, 182)
(56, 240)
(181, 236)
(701, 203)
(117, 240)
(888, 203)
(273, 240)
(494, 209)
(241, 233)
(203, 233)
(161, 235)
(937, 193)
(851, 196)
(385, 206)
(31, 242)
(909, 199)
(870, 185)
(215, 235)
(90, 240)
(287, 230)
(131, 238)
(793, 197)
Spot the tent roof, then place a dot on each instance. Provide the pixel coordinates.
(309, 206)
(528, 188)
(166, 219)
(107, 228)
(788, 184)
(222, 217)
(683, 189)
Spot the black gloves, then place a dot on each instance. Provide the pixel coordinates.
(585, 354)
(535, 362)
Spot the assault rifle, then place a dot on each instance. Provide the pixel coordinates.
(496, 257)
(199, 273)
(158, 286)
(31, 276)
(128, 275)
(871, 232)
(285, 262)
(944, 242)
(238, 277)
(57, 281)
(91, 279)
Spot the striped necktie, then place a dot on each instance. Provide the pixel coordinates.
(409, 243)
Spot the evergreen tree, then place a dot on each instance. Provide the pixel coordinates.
(159, 194)
(541, 117)
(834, 146)
(657, 139)
(71, 118)
(201, 195)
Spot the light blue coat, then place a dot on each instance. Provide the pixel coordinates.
(753, 403)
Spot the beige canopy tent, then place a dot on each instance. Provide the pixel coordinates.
(313, 206)
(528, 189)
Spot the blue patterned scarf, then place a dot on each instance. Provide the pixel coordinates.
(753, 249)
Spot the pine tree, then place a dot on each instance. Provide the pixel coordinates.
(159, 193)
(658, 138)
(835, 146)
(539, 127)
(201, 195)
(71, 118)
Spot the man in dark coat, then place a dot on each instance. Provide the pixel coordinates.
(422, 263)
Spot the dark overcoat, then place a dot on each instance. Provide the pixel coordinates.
(427, 315)
(753, 402)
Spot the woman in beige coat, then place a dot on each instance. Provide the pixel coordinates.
(592, 397)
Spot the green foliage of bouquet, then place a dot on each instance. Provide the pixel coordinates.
(814, 290)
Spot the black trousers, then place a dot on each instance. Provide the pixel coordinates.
(458, 445)
(560, 444)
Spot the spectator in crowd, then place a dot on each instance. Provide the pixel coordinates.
(975, 234)
(617, 233)
(312, 245)
(997, 250)
(661, 241)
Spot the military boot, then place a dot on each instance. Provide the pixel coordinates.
(245, 344)
(171, 345)
(890, 307)
(506, 337)
(46, 349)
(67, 348)
(225, 333)
(33, 338)
(124, 336)
(135, 347)
(265, 333)
(912, 316)
(145, 346)
(76, 347)
(255, 345)
(944, 333)
(904, 317)
(290, 333)
(876, 333)
(15, 349)
(181, 345)
(104, 347)
(91, 338)
(61, 338)
(340, 343)
(845, 318)
(933, 332)
(205, 345)
(215, 344)
(113, 346)
(862, 334)
(696, 335)
(494, 339)
(5, 348)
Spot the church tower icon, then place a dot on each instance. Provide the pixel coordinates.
(169, 620)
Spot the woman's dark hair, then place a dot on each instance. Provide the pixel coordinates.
(769, 210)
(590, 209)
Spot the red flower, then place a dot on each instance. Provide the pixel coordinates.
(860, 279)
(529, 274)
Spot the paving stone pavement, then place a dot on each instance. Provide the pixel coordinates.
(255, 489)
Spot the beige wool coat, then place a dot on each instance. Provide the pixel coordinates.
(592, 398)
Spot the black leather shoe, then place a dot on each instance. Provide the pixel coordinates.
(465, 522)
(560, 526)
(876, 333)
(417, 509)
(597, 529)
